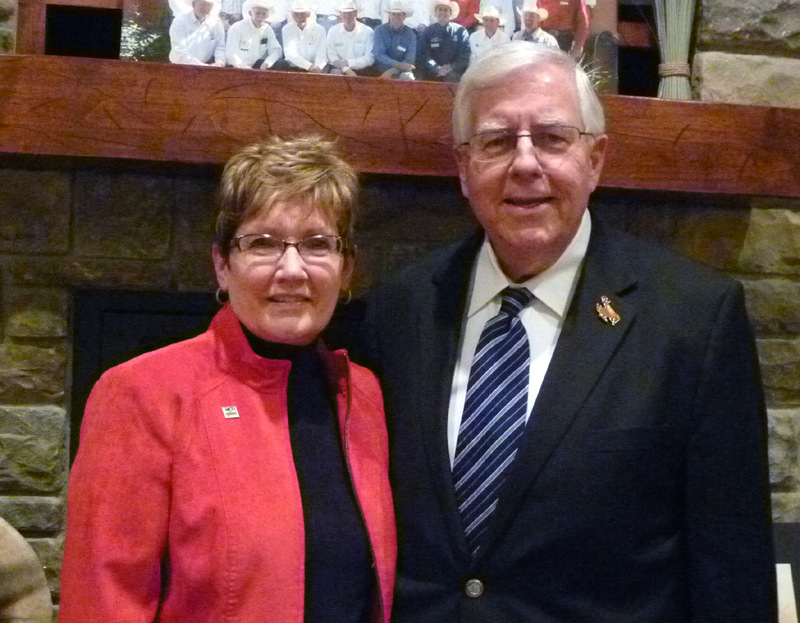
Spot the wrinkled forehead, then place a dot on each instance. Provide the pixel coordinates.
(545, 92)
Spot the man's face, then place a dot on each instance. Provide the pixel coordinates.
(396, 19)
(490, 25)
(349, 19)
(202, 8)
(443, 13)
(530, 20)
(259, 15)
(300, 18)
(530, 206)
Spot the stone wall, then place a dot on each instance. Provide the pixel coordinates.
(748, 52)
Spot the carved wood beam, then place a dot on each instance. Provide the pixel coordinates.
(167, 113)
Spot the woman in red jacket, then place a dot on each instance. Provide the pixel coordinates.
(242, 476)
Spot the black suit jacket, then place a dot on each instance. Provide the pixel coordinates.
(640, 491)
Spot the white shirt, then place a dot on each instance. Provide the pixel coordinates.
(354, 46)
(195, 42)
(480, 44)
(542, 319)
(246, 44)
(303, 48)
(537, 36)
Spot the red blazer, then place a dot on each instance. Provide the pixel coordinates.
(184, 505)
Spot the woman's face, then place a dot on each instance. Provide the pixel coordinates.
(289, 300)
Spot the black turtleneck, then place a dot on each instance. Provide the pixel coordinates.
(339, 585)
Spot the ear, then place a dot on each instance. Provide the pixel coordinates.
(347, 271)
(220, 267)
(597, 157)
(462, 159)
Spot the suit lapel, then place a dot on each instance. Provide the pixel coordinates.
(438, 336)
(583, 350)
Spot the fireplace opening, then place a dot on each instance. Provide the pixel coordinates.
(110, 327)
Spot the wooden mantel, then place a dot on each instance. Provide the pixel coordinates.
(166, 113)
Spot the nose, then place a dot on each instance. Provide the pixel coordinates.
(290, 265)
(526, 158)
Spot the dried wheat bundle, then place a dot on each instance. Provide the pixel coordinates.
(674, 25)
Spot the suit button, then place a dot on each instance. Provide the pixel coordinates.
(474, 588)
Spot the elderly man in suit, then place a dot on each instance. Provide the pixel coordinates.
(576, 422)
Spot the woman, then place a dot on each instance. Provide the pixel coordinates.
(241, 476)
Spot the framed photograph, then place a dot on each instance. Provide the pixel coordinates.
(8, 26)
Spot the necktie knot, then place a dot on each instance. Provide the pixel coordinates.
(514, 299)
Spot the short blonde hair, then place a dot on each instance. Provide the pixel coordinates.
(308, 167)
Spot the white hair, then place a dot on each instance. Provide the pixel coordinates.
(502, 61)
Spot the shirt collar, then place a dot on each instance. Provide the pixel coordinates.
(553, 286)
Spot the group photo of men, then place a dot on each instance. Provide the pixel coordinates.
(393, 39)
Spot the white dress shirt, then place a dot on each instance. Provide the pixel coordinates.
(195, 42)
(353, 46)
(306, 47)
(246, 44)
(543, 318)
(537, 36)
(480, 44)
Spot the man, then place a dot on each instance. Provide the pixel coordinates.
(251, 42)
(304, 41)
(350, 43)
(197, 36)
(488, 37)
(444, 46)
(616, 472)
(532, 16)
(395, 44)
(568, 22)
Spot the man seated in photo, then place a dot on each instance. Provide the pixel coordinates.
(197, 36)
(488, 37)
(444, 46)
(395, 44)
(532, 17)
(350, 43)
(251, 42)
(304, 41)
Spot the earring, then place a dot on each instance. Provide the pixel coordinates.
(349, 297)
(221, 296)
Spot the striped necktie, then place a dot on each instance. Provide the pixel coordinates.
(494, 414)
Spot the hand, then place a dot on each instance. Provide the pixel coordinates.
(389, 73)
(314, 69)
(406, 67)
(348, 72)
(444, 70)
(219, 64)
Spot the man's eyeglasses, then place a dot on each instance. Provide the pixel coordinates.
(549, 140)
(269, 248)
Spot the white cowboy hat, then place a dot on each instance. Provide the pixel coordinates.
(450, 4)
(300, 6)
(399, 6)
(531, 6)
(252, 4)
(346, 6)
(491, 11)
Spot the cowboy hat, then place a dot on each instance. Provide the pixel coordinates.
(399, 6)
(491, 11)
(450, 4)
(346, 6)
(531, 6)
(252, 4)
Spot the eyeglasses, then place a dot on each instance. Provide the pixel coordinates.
(269, 248)
(549, 140)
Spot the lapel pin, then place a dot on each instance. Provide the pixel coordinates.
(606, 312)
(230, 412)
